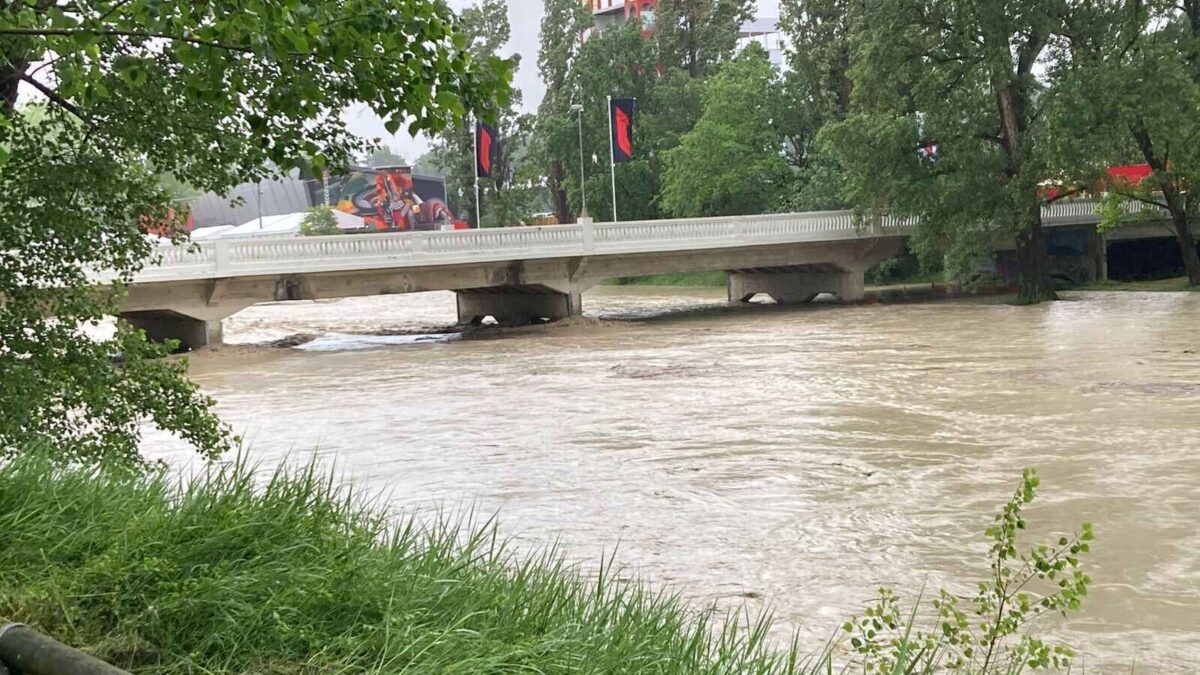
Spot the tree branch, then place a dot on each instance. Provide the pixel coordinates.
(55, 98)
(126, 33)
(1144, 200)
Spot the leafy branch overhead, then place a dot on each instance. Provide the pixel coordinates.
(101, 98)
(247, 84)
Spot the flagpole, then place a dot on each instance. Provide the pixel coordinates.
(475, 170)
(612, 159)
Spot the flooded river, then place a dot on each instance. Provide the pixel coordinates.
(796, 458)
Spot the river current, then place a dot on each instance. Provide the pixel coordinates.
(790, 458)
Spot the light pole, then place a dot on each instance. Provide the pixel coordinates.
(578, 109)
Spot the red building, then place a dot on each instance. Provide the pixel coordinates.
(615, 12)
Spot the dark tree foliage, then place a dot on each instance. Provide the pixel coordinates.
(732, 162)
(562, 29)
(487, 29)
(818, 89)
(1130, 94)
(698, 35)
(966, 76)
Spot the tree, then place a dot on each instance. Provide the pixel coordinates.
(563, 25)
(615, 61)
(698, 35)
(961, 75)
(819, 89)
(486, 27)
(427, 165)
(214, 94)
(619, 62)
(319, 222)
(385, 156)
(821, 35)
(1134, 88)
(732, 162)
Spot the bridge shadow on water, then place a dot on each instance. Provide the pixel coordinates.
(658, 315)
(660, 311)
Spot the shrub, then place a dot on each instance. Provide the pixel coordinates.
(1019, 588)
(320, 221)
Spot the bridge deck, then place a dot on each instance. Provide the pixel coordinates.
(298, 255)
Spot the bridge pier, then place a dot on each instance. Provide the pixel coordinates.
(795, 286)
(516, 306)
(165, 325)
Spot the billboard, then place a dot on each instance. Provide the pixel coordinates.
(388, 199)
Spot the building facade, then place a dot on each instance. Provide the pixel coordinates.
(608, 13)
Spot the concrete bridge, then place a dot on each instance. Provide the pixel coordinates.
(521, 274)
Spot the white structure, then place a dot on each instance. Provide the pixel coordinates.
(270, 197)
(267, 227)
(521, 274)
(765, 32)
(210, 233)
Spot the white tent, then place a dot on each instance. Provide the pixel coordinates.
(348, 221)
(285, 225)
(216, 232)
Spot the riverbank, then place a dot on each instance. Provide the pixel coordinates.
(216, 575)
(232, 571)
(1173, 285)
(917, 288)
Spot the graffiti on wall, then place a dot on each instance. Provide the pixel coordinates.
(388, 199)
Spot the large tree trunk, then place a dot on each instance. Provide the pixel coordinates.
(562, 206)
(1187, 245)
(1033, 267)
(1177, 203)
(10, 80)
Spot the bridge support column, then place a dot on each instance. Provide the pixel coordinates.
(1097, 252)
(796, 286)
(167, 325)
(516, 306)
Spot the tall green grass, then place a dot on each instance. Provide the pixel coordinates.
(224, 573)
(228, 572)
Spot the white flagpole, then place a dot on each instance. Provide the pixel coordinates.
(612, 158)
(475, 170)
(612, 161)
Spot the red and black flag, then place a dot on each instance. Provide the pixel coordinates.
(620, 111)
(485, 142)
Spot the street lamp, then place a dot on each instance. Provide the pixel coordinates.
(578, 109)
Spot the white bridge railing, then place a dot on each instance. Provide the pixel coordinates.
(251, 257)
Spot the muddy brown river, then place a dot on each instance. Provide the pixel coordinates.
(792, 458)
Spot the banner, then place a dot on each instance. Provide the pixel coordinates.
(485, 139)
(620, 112)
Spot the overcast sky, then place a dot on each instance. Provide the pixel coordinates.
(525, 17)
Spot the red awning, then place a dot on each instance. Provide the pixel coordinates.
(1130, 173)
